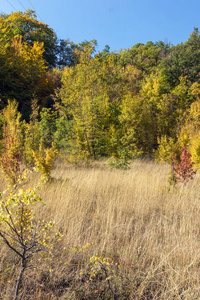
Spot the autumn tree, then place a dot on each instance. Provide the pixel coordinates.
(11, 143)
(23, 75)
(26, 26)
(91, 94)
(80, 88)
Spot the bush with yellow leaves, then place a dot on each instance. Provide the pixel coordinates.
(11, 143)
(44, 159)
(20, 229)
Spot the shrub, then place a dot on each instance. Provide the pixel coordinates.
(12, 143)
(44, 159)
(21, 231)
(183, 169)
(166, 149)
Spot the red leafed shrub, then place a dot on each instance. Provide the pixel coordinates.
(183, 168)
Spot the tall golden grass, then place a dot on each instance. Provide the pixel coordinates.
(132, 217)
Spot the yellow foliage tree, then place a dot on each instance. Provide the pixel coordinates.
(12, 142)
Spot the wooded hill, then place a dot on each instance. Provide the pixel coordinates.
(139, 101)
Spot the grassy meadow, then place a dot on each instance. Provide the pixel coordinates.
(126, 235)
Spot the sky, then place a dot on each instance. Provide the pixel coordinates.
(117, 23)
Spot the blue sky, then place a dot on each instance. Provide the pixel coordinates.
(118, 23)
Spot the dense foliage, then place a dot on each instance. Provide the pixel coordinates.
(138, 101)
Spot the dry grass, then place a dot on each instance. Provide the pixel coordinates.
(135, 219)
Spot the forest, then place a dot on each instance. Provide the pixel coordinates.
(120, 105)
(77, 116)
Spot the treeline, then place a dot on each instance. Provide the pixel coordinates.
(139, 101)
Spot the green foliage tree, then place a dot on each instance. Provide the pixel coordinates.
(39, 134)
(183, 60)
(47, 126)
(143, 57)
